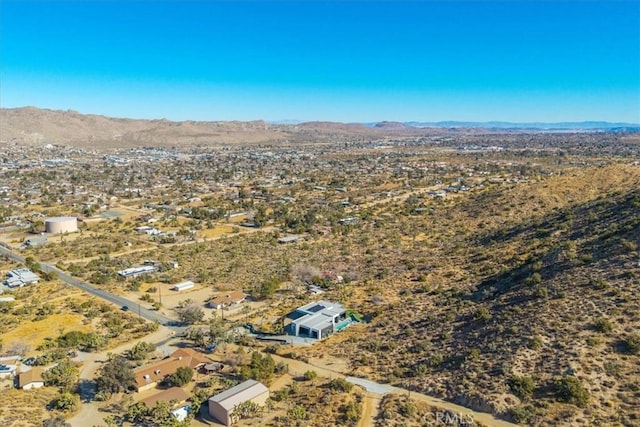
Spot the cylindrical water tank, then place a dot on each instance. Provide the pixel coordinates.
(61, 224)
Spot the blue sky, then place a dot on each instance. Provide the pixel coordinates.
(310, 60)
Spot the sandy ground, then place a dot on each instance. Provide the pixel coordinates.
(297, 367)
(89, 414)
(369, 410)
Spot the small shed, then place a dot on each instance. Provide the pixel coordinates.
(31, 379)
(183, 286)
(221, 405)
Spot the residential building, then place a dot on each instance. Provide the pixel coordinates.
(228, 299)
(20, 277)
(221, 405)
(31, 379)
(148, 376)
(317, 320)
(174, 394)
(137, 271)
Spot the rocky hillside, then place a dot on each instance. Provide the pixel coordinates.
(34, 126)
(523, 301)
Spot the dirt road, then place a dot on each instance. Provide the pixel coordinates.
(89, 414)
(369, 410)
(297, 367)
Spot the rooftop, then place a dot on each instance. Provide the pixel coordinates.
(229, 298)
(241, 393)
(156, 372)
(30, 376)
(172, 394)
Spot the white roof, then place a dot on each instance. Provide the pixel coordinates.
(243, 392)
(327, 307)
(316, 321)
(61, 219)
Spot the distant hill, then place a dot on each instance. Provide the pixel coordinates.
(592, 125)
(35, 126)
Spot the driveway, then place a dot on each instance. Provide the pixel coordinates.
(89, 414)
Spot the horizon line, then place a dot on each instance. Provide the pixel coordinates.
(364, 122)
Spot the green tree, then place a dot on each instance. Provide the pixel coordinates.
(137, 413)
(66, 402)
(260, 368)
(217, 329)
(63, 375)
(116, 376)
(182, 376)
(522, 386)
(56, 421)
(267, 288)
(140, 351)
(189, 312)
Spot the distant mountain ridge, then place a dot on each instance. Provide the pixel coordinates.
(586, 125)
(35, 126)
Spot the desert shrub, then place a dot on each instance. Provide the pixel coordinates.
(522, 386)
(297, 413)
(535, 342)
(340, 384)
(612, 368)
(541, 292)
(483, 314)
(632, 344)
(260, 368)
(310, 375)
(602, 324)
(569, 389)
(182, 376)
(352, 411)
(522, 414)
(66, 402)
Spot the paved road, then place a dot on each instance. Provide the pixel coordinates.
(134, 306)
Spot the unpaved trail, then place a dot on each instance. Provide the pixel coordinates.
(370, 407)
(298, 367)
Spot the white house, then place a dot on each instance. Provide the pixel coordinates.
(317, 320)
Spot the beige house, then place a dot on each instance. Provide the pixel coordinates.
(221, 405)
(31, 379)
(228, 300)
(148, 376)
(174, 394)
